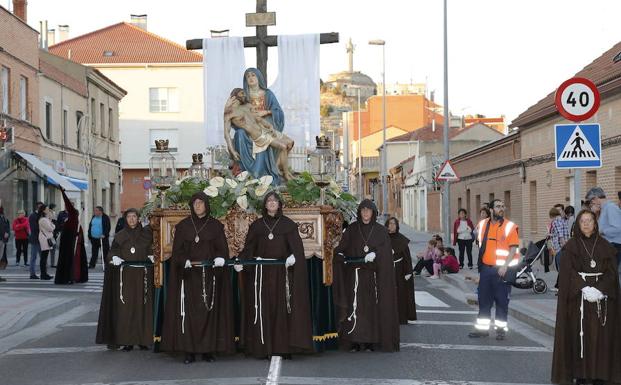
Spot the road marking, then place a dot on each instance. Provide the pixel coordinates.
(447, 311)
(531, 349)
(427, 322)
(195, 381)
(381, 381)
(273, 376)
(79, 324)
(76, 290)
(78, 349)
(425, 299)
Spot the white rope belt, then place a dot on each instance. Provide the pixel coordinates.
(213, 290)
(144, 275)
(182, 307)
(397, 261)
(355, 304)
(258, 302)
(584, 277)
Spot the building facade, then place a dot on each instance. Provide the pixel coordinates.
(164, 101)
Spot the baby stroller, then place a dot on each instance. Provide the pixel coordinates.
(524, 276)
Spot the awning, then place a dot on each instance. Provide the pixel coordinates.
(79, 183)
(46, 171)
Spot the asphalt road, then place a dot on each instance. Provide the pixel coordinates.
(435, 350)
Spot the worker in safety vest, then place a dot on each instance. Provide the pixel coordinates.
(498, 250)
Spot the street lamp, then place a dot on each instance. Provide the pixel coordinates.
(384, 167)
(446, 199)
(360, 184)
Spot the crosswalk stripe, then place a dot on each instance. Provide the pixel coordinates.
(425, 322)
(79, 324)
(503, 348)
(447, 311)
(425, 299)
(68, 290)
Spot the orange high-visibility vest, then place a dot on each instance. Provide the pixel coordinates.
(500, 238)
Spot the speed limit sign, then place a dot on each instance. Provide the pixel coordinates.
(577, 99)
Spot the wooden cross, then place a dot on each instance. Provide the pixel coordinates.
(261, 19)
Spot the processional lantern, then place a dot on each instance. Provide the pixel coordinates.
(198, 169)
(162, 170)
(322, 164)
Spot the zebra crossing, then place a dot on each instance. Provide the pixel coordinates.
(20, 281)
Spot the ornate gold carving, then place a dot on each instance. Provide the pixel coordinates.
(236, 224)
(333, 224)
(306, 230)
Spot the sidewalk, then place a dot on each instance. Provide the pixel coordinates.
(536, 310)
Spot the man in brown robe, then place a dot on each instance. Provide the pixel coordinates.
(277, 312)
(198, 315)
(588, 304)
(365, 296)
(126, 311)
(402, 260)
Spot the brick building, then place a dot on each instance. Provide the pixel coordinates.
(493, 170)
(544, 184)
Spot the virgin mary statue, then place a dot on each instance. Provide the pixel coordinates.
(265, 105)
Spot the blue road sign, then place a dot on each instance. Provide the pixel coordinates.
(578, 145)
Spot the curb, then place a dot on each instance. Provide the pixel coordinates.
(516, 309)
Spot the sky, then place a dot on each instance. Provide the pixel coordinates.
(504, 55)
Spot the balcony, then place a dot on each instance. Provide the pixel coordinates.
(368, 164)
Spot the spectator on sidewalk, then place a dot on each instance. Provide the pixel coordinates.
(120, 223)
(570, 218)
(5, 234)
(439, 242)
(483, 214)
(426, 257)
(98, 234)
(21, 228)
(561, 209)
(33, 239)
(46, 239)
(609, 219)
(52, 217)
(559, 235)
(463, 236)
(448, 263)
(586, 338)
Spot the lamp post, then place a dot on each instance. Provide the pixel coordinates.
(446, 201)
(162, 170)
(322, 164)
(384, 160)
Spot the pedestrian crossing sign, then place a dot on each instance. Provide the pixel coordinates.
(578, 145)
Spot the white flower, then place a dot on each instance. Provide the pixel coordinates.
(261, 190)
(177, 182)
(211, 191)
(242, 176)
(266, 180)
(242, 201)
(216, 181)
(251, 182)
(231, 183)
(243, 191)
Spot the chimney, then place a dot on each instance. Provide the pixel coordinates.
(139, 21)
(20, 9)
(63, 33)
(51, 36)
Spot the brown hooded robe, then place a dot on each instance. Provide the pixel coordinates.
(602, 344)
(128, 320)
(284, 332)
(208, 323)
(405, 288)
(376, 318)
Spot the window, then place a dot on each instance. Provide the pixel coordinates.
(4, 80)
(171, 134)
(104, 199)
(22, 195)
(110, 124)
(78, 122)
(591, 179)
(35, 194)
(508, 204)
(459, 206)
(23, 98)
(94, 198)
(112, 206)
(491, 198)
(48, 120)
(477, 200)
(533, 207)
(93, 117)
(64, 123)
(468, 203)
(163, 100)
(102, 120)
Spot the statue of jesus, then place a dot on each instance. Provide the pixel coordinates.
(238, 112)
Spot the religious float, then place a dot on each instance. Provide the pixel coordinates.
(311, 199)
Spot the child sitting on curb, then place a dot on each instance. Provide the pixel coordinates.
(448, 263)
(426, 257)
